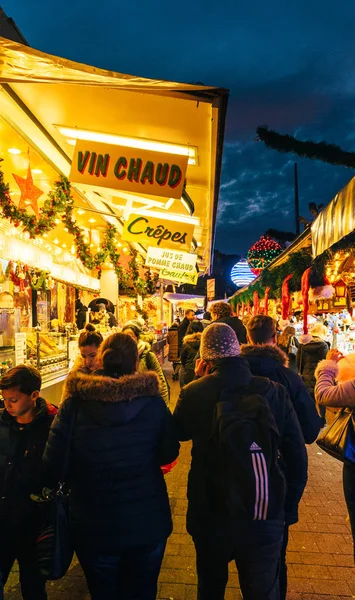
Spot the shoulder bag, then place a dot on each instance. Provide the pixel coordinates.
(54, 544)
(338, 439)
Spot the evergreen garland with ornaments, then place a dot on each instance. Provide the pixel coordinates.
(262, 253)
(60, 203)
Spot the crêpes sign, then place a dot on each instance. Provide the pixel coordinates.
(163, 233)
(128, 169)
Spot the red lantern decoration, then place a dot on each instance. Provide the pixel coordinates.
(340, 288)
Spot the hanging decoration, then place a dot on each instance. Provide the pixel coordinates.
(328, 153)
(29, 192)
(305, 298)
(255, 303)
(266, 301)
(286, 297)
(241, 273)
(262, 253)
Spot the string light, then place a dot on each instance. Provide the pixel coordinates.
(262, 253)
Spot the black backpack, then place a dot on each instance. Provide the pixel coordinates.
(243, 475)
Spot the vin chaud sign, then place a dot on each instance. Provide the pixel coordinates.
(128, 169)
(162, 233)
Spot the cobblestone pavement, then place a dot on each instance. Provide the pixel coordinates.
(320, 561)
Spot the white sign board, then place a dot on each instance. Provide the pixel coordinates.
(174, 266)
(20, 348)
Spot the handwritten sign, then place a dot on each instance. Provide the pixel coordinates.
(175, 266)
(129, 169)
(158, 232)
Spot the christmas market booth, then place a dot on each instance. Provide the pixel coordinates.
(108, 189)
(313, 280)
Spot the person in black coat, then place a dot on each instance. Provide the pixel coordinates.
(80, 314)
(189, 352)
(312, 349)
(254, 545)
(265, 359)
(222, 312)
(123, 434)
(24, 426)
(183, 327)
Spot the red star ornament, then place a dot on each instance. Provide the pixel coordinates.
(28, 191)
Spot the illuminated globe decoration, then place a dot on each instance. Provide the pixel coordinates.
(262, 253)
(241, 273)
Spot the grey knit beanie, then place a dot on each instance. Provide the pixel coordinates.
(219, 341)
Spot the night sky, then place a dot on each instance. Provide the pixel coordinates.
(289, 65)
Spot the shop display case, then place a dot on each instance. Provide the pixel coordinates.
(48, 351)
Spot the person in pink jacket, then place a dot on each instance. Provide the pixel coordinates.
(335, 389)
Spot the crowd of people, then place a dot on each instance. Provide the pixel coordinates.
(249, 413)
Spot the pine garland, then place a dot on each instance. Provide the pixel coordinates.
(329, 153)
(60, 202)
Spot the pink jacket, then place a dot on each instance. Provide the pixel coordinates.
(330, 393)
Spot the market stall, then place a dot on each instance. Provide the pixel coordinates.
(100, 175)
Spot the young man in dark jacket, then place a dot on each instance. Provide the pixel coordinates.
(255, 545)
(267, 360)
(222, 312)
(24, 426)
(183, 327)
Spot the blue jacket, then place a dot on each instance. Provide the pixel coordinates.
(123, 434)
(193, 417)
(270, 361)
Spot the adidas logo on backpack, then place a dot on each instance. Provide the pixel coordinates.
(242, 471)
(254, 447)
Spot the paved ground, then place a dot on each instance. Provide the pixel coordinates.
(320, 550)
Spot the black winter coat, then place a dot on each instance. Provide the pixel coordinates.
(183, 327)
(237, 326)
(193, 420)
(269, 361)
(188, 355)
(21, 473)
(122, 435)
(308, 356)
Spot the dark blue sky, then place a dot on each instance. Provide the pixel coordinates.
(289, 65)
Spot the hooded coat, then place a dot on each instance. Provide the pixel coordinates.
(193, 417)
(21, 474)
(310, 351)
(270, 361)
(188, 356)
(123, 434)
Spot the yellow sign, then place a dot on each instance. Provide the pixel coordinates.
(175, 266)
(128, 169)
(158, 232)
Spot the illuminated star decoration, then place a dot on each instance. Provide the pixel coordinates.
(29, 192)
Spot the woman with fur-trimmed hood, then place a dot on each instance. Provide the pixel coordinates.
(189, 351)
(119, 504)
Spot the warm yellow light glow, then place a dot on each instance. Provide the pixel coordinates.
(168, 216)
(81, 211)
(125, 250)
(36, 171)
(64, 245)
(119, 244)
(14, 151)
(56, 241)
(128, 142)
(92, 220)
(56, 221)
